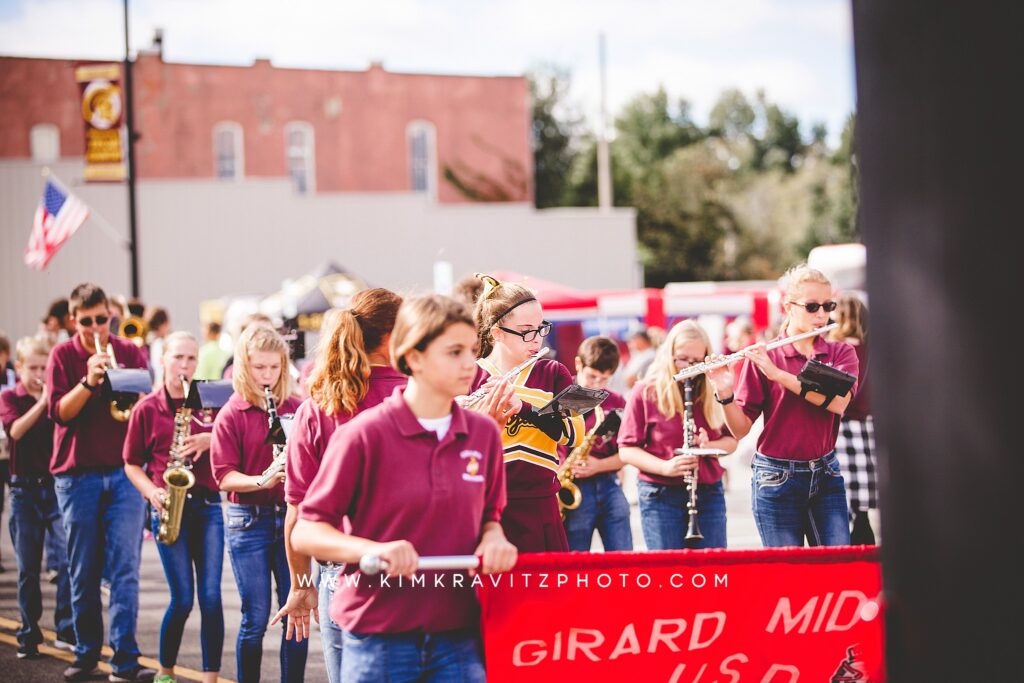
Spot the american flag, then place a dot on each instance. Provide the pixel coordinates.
(58, 216)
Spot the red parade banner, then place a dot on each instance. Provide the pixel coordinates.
(710, 616)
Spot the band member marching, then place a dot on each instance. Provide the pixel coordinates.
(802, 389)
(653, 428)
(164, 435)
(34, 512)
(511, 326)
(352, 373)
(100, 507)
(415, 475)
(255, 517)
(603, 506)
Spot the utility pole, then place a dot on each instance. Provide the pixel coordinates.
(604, 169)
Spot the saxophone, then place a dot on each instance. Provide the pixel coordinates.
(178, 476)
(569, 495)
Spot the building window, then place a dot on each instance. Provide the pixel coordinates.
(228, 153)
(298, 152)
(44, 142)
(422, 139)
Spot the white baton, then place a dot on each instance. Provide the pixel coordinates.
(373, 564)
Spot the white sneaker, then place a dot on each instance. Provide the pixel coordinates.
(63, 645)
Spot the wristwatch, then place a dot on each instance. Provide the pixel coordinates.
(725, 401)
(88, 387)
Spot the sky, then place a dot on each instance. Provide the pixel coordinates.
(799, 51)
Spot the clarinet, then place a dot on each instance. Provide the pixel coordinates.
(274, 422)
(689, 432)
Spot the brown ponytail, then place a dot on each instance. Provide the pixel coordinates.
(341, 376)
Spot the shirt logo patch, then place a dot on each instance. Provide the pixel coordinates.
(472, 472)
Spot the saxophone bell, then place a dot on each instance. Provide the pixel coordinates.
(569, 495)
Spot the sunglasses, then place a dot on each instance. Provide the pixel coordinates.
(87, 321)
(530, 335)
(813, 307)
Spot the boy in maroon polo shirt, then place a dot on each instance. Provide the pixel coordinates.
(103, 513)
(603, 506)
(417, 474)
(798, 488)
(34, 513)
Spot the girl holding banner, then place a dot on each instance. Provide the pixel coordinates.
(653, 428)
(797, 486)
(416, 474)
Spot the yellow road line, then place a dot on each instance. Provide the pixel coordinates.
(179, 671)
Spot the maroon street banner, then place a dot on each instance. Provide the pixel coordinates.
(103, 113)
(726, 616)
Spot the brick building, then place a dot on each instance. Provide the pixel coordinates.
(329, 131)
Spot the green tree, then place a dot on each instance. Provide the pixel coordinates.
(556, 125)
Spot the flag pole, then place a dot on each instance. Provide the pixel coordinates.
(133, 239)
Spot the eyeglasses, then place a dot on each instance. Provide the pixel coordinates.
(813, 307)
(687, 361)
(87, 321)
(530, 335)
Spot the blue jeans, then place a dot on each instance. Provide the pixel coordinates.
(330, 633)
(201, 545)
(603, 508)
(451, 657)
(35, 518)
(255, 537)
(665, 518)
(103, 517)
(794, 499)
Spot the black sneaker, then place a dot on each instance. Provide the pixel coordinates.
(139, 673)
(28, 652)
(82, 671)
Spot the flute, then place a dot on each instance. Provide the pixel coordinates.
(479, 394)
(701, 368)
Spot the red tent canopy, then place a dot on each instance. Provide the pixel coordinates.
(553, 296)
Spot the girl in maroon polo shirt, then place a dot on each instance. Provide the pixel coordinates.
(352, 373)
(652, 428)
(797, 488)
(255, 515)
(414, 475)
(511, 326)
(200, 543)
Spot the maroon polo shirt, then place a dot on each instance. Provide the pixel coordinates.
(238, 446)
(150, 433)
(30, 455)
(860, 406)
(794, 428)
(606, 446)
(312, 429)
(393, 480)
(646, 427)
(93, 438)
